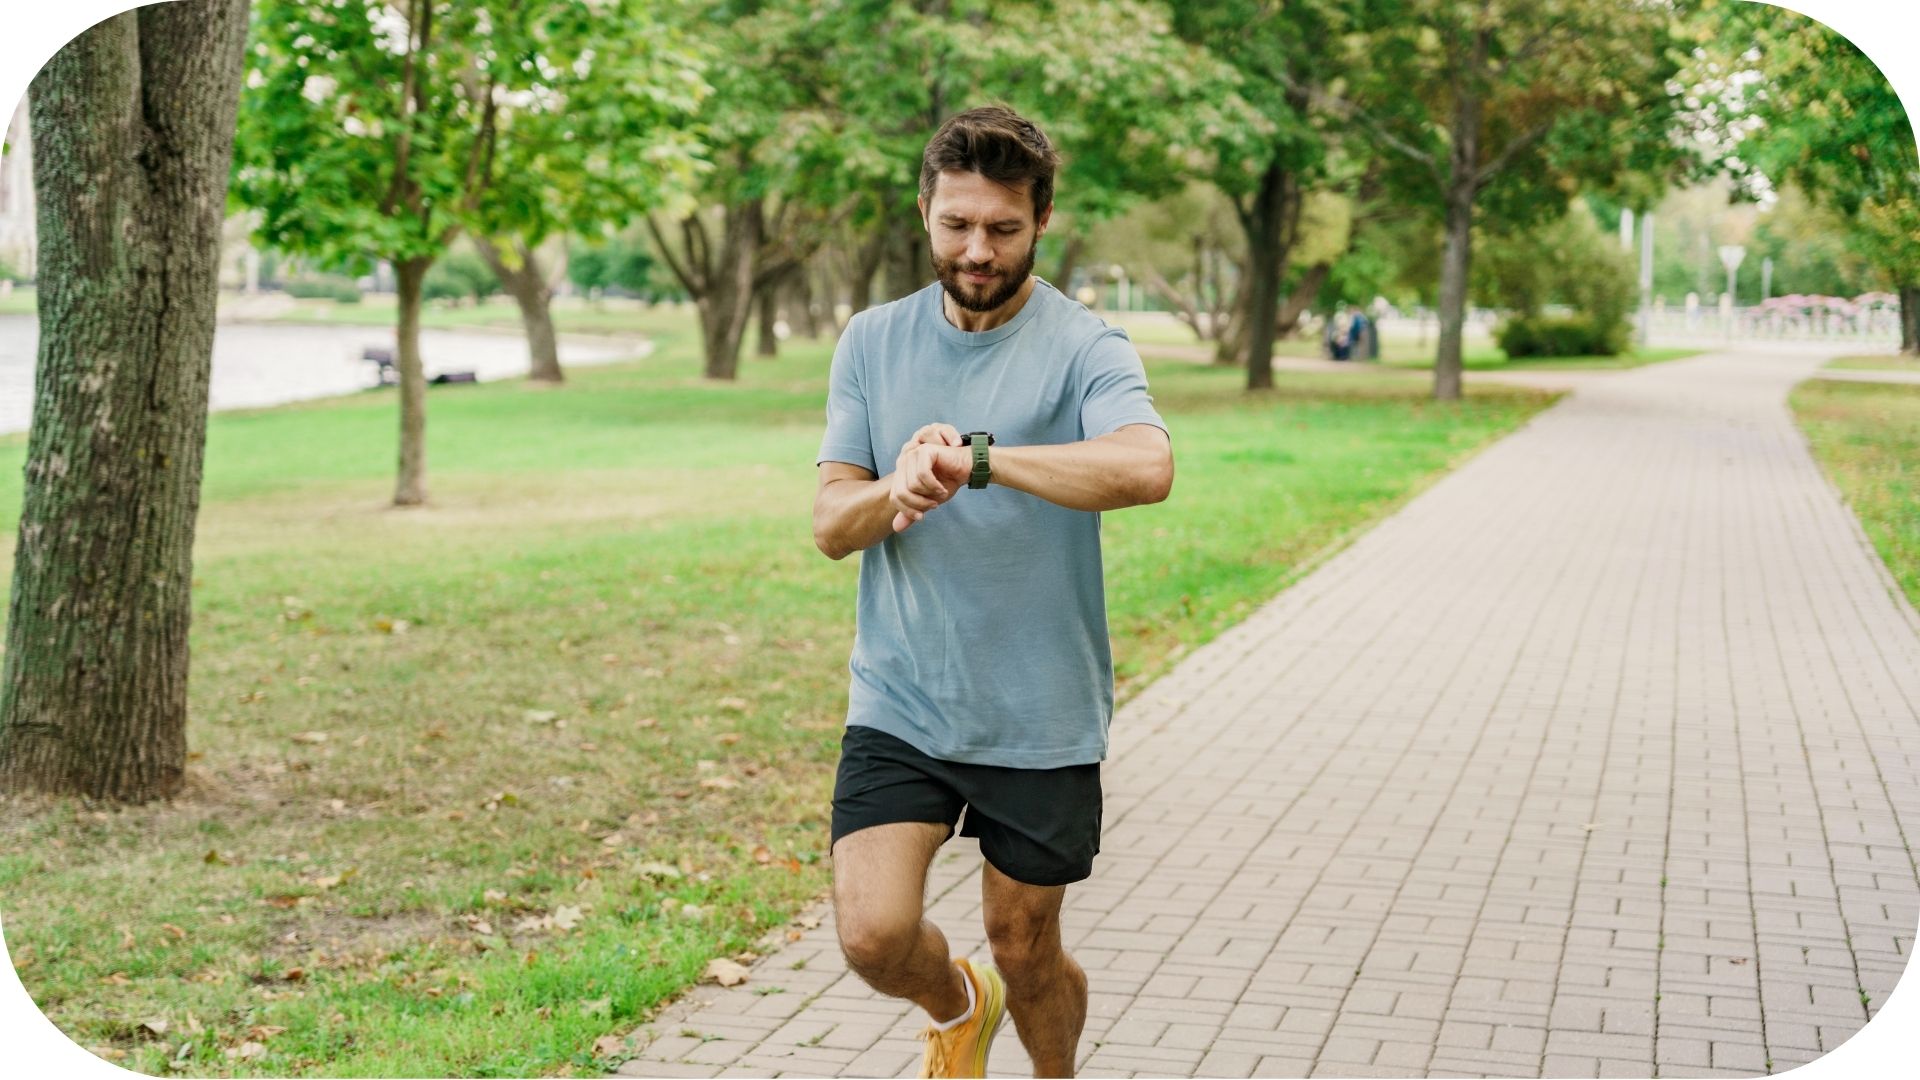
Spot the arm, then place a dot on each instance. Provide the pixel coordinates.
(1129, 467)
(853, 510)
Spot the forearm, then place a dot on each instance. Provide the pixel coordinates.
(1131, 467)
(852, 515)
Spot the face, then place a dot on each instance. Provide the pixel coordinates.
(982, 237)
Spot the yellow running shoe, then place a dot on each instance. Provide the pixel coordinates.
(962, 1049)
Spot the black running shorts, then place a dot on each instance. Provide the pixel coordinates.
(1037, 826)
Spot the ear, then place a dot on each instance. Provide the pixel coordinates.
(921, 202)
(1040, 227)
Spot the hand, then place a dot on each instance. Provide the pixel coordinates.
(937, 434)
(926, 475)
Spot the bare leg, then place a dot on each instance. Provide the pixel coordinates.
(1046, 990)
(879, 901)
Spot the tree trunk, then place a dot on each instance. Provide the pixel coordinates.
(1910, 320)
(1301, 298)
(1069, 260)
(866, 263)
(132, 128)
(728, 299)
(907, 266)
(1266, 255)
(766, 302)
(530, 291)
(1454, 262)
(805, 320)
(410, 489)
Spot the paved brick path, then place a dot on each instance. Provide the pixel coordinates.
(1601, 756)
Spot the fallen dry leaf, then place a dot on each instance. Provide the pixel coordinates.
(665, 871)
(567, 916)
(607, 1046)
(155, 1027)
(118, 978)
(727, 738)
(493, 896)
(541, 716)
(762, 855)
(808, 922)
(247, 1051)
(719, 783)
(173, 931)
(726, 972)
(309, 737)
(263, 1032)
(735, 703)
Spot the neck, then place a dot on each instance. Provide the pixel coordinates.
(975, 322)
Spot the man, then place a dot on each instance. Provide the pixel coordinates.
(981, 677)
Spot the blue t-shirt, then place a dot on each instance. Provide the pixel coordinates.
(982, 634)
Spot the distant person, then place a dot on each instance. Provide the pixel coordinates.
(1339, 334)
(1362, 343)
(982, 681)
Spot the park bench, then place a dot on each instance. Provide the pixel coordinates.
(390, 375)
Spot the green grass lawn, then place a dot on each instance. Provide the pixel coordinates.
(1881, 362)
(475, 785)
(1867, 437)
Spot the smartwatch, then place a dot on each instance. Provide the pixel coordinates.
(982, 472)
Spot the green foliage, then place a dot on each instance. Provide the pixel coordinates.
(625, 265)
(1867, 439)
(324, 287)
(1567, 261)
(370, 132)
(1822, 117)
(459, 276)
(1524, 336)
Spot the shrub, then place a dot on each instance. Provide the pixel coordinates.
(324, 287)
(1561, 335)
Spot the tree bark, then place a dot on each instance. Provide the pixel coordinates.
(410, 489)
(1455, 260)
(806, 320)
(866, 263)
(132, 127)
(534, 296)
(907, 266)
(766, 302)
(1910, 320)
(1069, 260)
(728, 298)
(1264, 223)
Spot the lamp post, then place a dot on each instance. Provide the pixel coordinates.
(1646, 277)
(1766, 279)
(1730, 256)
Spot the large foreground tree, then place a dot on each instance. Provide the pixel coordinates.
(132, 135)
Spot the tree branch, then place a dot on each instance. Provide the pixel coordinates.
(1507, 153)
(666, 252)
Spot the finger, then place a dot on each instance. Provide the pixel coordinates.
(901, 521)
(949, 434)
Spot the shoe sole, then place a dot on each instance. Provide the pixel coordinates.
(996, 1005)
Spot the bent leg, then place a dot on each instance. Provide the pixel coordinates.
(1046, 990)
(879, 901)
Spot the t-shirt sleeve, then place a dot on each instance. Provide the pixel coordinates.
(849, 434)
(1114, 387)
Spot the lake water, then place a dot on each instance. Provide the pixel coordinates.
(257, 364)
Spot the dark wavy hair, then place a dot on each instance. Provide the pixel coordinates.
(997, 143)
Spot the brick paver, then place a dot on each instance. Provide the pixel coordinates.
(1599, 758)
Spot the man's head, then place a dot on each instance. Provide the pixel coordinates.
(986, 193)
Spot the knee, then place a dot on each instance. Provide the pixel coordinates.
(873, 944)
(1023, 947)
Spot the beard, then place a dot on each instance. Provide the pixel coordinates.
(987, 295)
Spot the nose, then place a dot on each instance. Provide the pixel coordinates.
(979, 251)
